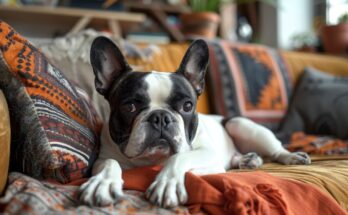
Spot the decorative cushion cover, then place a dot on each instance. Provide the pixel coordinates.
(250, 81)
(55, 132)
(314, 144)
(319, 105)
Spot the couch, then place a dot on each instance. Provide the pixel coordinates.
(327, 172)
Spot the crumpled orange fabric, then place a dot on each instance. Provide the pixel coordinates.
(243, 193)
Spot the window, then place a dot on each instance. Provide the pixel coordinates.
(335, 9)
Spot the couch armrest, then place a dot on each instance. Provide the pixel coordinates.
(5, 137)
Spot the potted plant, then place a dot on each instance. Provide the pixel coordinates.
(305, 41)
(335, 37)
(203, 21)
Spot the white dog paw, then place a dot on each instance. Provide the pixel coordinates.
(250, 161)
(99, 191)
(167, 191)
(297, 158)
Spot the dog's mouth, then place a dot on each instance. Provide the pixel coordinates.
(157, 151)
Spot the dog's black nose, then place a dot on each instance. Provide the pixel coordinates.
(160, 119)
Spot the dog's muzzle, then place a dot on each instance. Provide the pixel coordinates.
(162, 127)
(160, 120)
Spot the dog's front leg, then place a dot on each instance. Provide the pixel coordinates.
(168, 189)
(105, 187)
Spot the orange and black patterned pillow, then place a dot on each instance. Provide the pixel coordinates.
(55, 130)
(248, 80)
(314, 144)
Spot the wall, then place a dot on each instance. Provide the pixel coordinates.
(279, 24)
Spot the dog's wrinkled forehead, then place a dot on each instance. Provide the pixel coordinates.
(159, 87)
(156, 88)
(163, 86)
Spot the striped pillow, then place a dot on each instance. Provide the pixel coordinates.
(55, 130)
(248, 80)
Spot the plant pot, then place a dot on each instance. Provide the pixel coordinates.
(306, 48)
(201, 24)
(335, 38)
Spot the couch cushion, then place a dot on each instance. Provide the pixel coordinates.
(249, 80)
(319, 105)
(5, 137)
(55, 132)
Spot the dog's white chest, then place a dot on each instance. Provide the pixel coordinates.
(211, 134)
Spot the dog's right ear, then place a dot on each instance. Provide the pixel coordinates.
(108, 64)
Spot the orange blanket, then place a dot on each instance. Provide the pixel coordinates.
(243, 193)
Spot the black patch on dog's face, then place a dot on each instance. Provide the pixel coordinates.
(130, 90)
(182, 94)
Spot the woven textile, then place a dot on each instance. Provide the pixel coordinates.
(55, 131)
(250, 81)
(238, 192)
(26, 195)
(314, 144)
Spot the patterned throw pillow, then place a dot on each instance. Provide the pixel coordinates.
(55, 130)
(319, 105)
(250, 81)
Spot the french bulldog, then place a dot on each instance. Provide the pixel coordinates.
(153, 121)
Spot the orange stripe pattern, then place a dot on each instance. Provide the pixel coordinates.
(70, 123)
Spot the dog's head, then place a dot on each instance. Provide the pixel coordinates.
(152, 114)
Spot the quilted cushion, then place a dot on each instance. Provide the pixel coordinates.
(249, 80)
(55, 131)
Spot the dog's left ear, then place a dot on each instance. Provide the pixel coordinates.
(194, 64)
(108, 64)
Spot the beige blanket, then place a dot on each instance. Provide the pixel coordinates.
(328, 173)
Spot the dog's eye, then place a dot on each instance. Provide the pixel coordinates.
(129, 108)
(187, 107)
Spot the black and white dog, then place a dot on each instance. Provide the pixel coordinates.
(153, 121)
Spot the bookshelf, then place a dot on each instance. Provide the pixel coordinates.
(79, 18)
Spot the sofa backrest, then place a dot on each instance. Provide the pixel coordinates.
(298, 61)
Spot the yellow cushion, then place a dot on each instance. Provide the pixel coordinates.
(5, 136)
(297, 61)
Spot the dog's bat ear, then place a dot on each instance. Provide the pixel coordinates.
(108, 64)
(194, 64)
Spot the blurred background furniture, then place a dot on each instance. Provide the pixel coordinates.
(38, 19)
